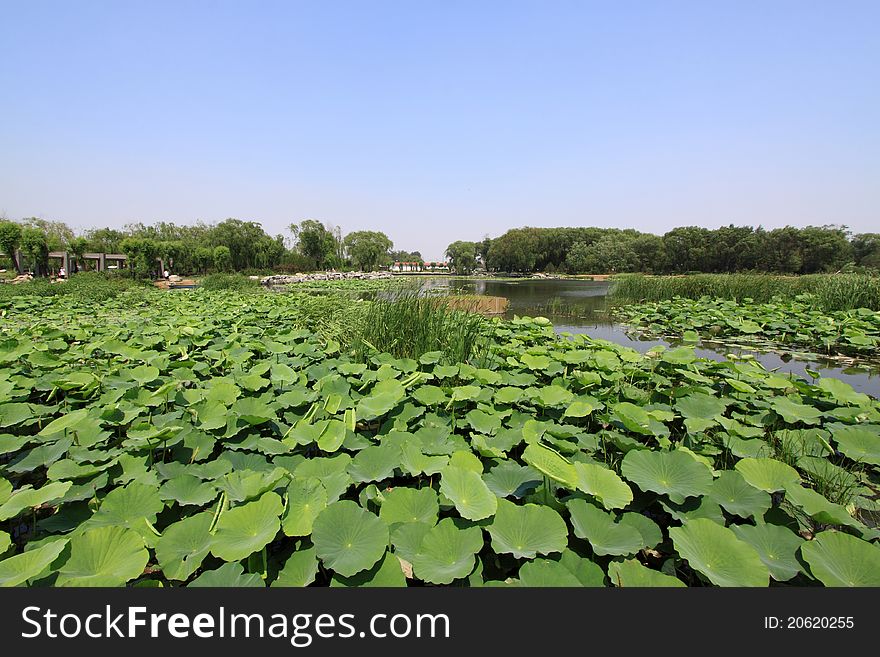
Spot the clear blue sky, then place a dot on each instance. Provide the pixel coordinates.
(436, 121)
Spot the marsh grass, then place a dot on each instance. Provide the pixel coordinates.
(87, 285)
(408, 324)
(826, 291)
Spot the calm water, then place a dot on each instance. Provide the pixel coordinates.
(576, 306)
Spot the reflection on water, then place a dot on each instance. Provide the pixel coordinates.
(577, 306)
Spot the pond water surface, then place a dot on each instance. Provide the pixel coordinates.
(579, 306)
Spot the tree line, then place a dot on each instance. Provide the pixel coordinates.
(728, 249)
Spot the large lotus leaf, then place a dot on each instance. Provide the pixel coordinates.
(333, 436)
(635, 418)
(650, 530)
(535, 362)
(603, 484)
(549, 462)
(404, 504)
(675, 474)
(5, 490)
(842, 392)
(299, 570)
(599, 528)
(429, 395)
(579, 408)
(467, 460)
(5, 542)
(374, 463)
(679, 356)
(243, 484)
(16, 570)
(252, 410)
(407, 539)
(243, 530)
(103, 556)
(546, 573)
(509, 478)
(212, 415)
(794, 412)
(306, 498)
(859, 444)
(349, 539)
(67, 421)
(632, 574)
(415, 462)
(700, 411)
(508, 395)
(447, 552)
(143, 374)
(767, 474)
(528, 530)
(128, 507)
(777, 546)
(818, 507)
(381, 400)
(229, 575)
(554, 395)
(27, 497)
(483, 422)
(468, 492)
(716, 552)
(184, 545)
(388, 573)
(838, 559)
(187, 490)
(732, 492)
(587, 572)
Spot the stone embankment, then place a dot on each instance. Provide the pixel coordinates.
(288, 279)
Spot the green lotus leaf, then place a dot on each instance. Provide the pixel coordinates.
(410, 505)
(587, 572)
(483, 422)
(468, 492)
(27, 498)
(5, 542)
(767, 474)
(187, 490)
(144, 374)
(679, 356)
(252, 411)
(407, 539)
(603, 484)
(229, 575)
(380, 402)
(243, 530)
(510, 479)
(632, 574)
(306, 498)
(546, 573)
(374, 463)
(534, 362)
(333, 436)
(5, 490)
(466, 460)
(554, 395)
(838, 559)
(551, 463)
(212, 415)
(741, 499)
(243, 485)
(675, 474)
(794, 412)
(465, 393)
(508, 395)
(579, 408)
(387, 573)
(415, 462)
(447, 552)
(716, 552)
(349, 539)
(777, 546)
(599, 527)
(64, 422)
(859, 444)
(184, 545)
(818, 507)
(430, 395)
(635, 418)
(700, 411)
(842, 392)
(128, 507)
(528, 530)
(647, 528)
(299, 570)
(16, 570)
(103, 556)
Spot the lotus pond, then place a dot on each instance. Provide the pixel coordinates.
(201, 438)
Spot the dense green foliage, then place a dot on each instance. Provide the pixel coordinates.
(728, 249)
(827, 292)
(774, 324)
(205, 438)
(86, 285)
